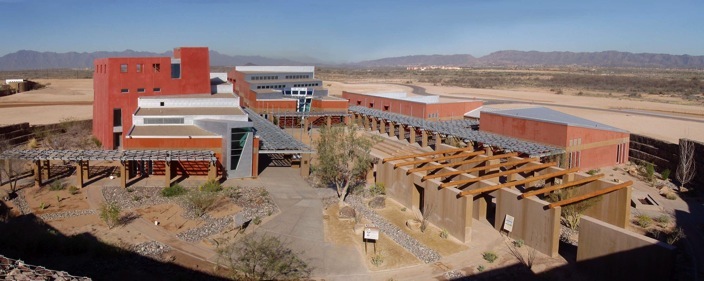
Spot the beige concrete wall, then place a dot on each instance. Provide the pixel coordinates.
(613, 208)
(539, 228)
(612, 253)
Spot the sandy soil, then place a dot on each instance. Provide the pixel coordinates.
(36, 197)
(342, 232)
(169, 216)
(61, 99)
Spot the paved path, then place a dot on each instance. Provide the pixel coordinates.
(300, 224)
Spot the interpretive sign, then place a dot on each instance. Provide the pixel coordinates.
(371, 233)
(508, 223)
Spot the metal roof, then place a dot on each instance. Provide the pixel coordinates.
(545, 114)
(170, 131)
(463, 129)
(310, 113)
(181, 111)
(110, 155)
(274, 139)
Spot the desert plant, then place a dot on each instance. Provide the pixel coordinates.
(593, 172)
(200, 201)
(675, 235)
(518, 243)
(444, 234)
(256, 221)
(110, 214)
(515, 249)
(377, 259)
(685, 167)
(644, 221)
(173, 191)
(573, 212)
(211, 186)
(377, 189)
(650, 171)
(423, 216)
(73, 190)
(43, 206)
(263, 258)
(481, 268)
(671, 196)
(58, 201)
(57, 185)
(403, 209)
(662, 219)
(665, 174)
(490, 256)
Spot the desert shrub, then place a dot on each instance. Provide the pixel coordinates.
(518, 243)
(675, 235)
(73, 190)
(377, 259)
(43, 206)
(257, 220)
(110, 213)
(649, 171)
(593, 172)
(234, 192)
(663, 219)
(57, 185)
(211, 186)
(481, 268)
(200, 201)
(665, 174)
(490, 256)
(377, 189)
(444, 234)
(263, 258)
(644, 221)
(571, 214)
(173, 191)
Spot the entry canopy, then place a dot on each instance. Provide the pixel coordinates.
(110, 155)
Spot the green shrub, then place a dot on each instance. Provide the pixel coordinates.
(650, 171)
(644, 221)
(377, 189)
(110, 214)
(256, 221)
(671, 196)
(444, 234)
(43, 206)
(211, 186)
(481, 268)
(57, 185)
(490, 256)
(663, 219)
(518, 243)
(377, 259)
(593, 172)
(200, 201)
(174, 190)
(665, 174)
(73, 190)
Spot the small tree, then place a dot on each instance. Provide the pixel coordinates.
(263, 258)
(685, 167)
(11, 169)
(110, 214)
(573, 212)
(343, 158)
(201, 201)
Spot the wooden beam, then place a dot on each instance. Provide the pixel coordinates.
(455, 164)
(459, 155)
(561, 186)
(424, 154)
(514, 183)
(496, 175)
(454, 173)
(589, 195)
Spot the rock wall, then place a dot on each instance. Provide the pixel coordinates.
(21, 133)
(665, 155)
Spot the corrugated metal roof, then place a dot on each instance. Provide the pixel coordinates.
(545, 114)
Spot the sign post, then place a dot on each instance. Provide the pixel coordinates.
(508, 223)
(370, 233)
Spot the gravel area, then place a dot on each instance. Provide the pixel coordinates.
(21, 203)
(134, 197)
(66, 214)
(453, 275)
(568, 235)
(419, 250)
(152, 249)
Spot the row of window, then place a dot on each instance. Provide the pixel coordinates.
(139, 67)
(307, 85)
(271, 87)
(139, 90)
(299, 93)
(163, 120)
(265, 77)
(297, 76)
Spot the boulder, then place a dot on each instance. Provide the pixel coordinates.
(378, 202)
(413, 224)
(347, 212)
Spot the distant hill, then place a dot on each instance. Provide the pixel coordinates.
(25, 59)
(535, 58)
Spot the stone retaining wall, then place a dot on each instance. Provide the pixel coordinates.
(665, 155)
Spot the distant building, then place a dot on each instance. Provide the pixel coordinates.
(272, 89)
(425, 107)
(588, 144)
(9, 81)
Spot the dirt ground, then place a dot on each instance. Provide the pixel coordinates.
(342, 232)
(54, 200)
(61, 99)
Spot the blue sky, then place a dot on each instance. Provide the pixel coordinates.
(344, 31)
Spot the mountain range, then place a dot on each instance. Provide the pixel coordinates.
(24, 59)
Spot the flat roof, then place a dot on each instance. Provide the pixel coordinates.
(273, 69)
(545, 114)
(190, 96)
(170, 131)
(169, 111)
(258, 82)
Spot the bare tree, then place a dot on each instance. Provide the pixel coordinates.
(685, 168)
(11, 169)
(343, 158)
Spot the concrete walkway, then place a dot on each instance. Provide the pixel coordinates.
(300, 224)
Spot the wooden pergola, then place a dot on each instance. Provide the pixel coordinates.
(476, 169)
(426, 154)
(443, 158)
(518, 182)
(496, 175)
(455, 164)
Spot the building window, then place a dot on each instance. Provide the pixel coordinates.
(140, 90)
(124, 91)
(157, 89)
(156, 67)
(359, 102)
(161, 103)
(139, 67)
(161, 121)
(123, 68)
(176, 70)
(238, 140)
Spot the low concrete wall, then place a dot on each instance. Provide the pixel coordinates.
(539, 228)
(612, 253)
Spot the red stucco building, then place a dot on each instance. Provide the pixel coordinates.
(117, 82)
(588, 144)
(425, 107)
